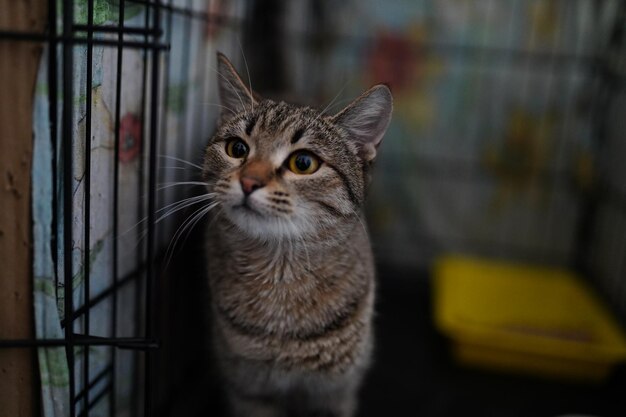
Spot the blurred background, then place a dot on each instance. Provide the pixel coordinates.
(497, 210)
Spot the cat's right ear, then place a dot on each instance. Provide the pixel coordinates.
(235, 97)
(366, 120)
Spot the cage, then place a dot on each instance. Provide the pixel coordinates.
(506, 142)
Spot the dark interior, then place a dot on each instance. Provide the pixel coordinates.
(413, 371)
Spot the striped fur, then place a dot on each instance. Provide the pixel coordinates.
(290, 266)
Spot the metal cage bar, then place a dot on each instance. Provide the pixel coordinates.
(77, 319)
(67, 128)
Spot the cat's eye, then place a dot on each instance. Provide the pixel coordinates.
(237, 148)
(303, 163)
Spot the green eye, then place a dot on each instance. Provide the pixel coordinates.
(236, 148)
(303, 163)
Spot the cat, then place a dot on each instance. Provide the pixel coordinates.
(290, 267)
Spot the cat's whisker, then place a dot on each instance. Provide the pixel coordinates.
(277, 254)
(334, 98)
(243, 105)
(170, 248)
(359, 219)
(220, 211)
(192, 225)
(181, 160)
(121, 235)
(184, 161)
(306, 251)
(184, 205)
(185, 200)
(166, 185)
(141, 238)
(188, 223)
(245, 61)
(192, 200)
(291, 252)
(181, 168)
(339, 103)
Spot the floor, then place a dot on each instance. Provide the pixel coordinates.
(413, 374)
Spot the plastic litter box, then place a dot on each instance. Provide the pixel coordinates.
(536, 320)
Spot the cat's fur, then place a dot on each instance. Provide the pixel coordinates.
(290, 266)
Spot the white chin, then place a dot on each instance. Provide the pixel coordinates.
(261, 226)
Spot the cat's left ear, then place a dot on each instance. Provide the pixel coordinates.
(235, 96)
(366, 119)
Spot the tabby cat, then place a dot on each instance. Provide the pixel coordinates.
(289, 260)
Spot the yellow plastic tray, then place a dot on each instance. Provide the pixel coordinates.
(525, 319)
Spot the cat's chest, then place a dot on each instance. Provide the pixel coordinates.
(282, 299)
(272, 292)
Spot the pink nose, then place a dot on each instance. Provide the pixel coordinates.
(249, 184)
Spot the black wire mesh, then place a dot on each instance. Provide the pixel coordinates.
(65, 33)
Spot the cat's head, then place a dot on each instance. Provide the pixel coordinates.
(280, 170)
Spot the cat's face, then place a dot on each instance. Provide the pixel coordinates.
(281, 171)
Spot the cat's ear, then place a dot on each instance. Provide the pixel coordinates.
(235, 97)
(366, 119)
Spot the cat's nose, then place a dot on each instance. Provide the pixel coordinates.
(251, 183)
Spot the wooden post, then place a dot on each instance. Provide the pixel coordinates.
(19, 396)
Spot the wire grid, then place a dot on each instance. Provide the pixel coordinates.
(448, 161)
(154, 39)
(604, 227)
(425, 178)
